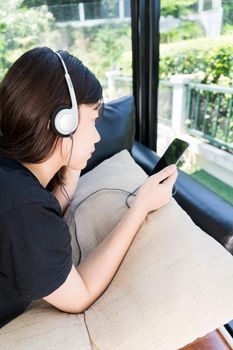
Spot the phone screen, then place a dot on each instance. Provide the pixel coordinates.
(171, 155)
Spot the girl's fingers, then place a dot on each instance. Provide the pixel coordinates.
(171, 179)
(166, 172)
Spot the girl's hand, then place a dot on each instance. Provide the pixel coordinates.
(152, 194)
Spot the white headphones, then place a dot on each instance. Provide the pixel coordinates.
(64, 121)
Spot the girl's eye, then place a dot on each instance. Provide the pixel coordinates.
(100, 109)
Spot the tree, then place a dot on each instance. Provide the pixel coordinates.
(227, 12)
(20, 30)
(103, 47)
(177, 8)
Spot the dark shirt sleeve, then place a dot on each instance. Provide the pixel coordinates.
(40, 256)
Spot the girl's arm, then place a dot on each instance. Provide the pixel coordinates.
(86, 282)
(71, 182)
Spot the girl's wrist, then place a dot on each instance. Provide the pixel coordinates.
(138, 207)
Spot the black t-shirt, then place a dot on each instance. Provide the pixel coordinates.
(35, 249)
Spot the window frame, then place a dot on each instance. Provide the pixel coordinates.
(145, 16)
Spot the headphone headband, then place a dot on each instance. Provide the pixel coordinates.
(64, 121)
(63, 63)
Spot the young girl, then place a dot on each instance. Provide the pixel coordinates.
(49, 102)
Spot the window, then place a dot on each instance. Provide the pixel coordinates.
(97, 32)
(195, 89)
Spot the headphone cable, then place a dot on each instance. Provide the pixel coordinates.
(72, 211)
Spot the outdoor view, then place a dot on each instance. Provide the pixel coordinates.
(195, 90)
(196, 67)
(97, 32)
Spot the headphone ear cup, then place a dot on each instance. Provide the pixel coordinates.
(53, 118)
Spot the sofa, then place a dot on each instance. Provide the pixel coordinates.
(209, 211)
(212, 214)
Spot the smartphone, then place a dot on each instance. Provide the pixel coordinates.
(172, 155)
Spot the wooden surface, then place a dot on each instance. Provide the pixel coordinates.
(212, 341)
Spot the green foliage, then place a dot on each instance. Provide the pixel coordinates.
(210, 60)
(177, 8)
(210, 114)
(32, 3)
(108, 46)
(227, 29)
(227, 12)
(20, 30)
(187, 30)
(103, 47)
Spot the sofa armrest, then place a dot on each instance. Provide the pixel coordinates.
(209, 211)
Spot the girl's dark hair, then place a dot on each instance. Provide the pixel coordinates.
(33, 87)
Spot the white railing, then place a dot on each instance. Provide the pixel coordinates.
(172, 123)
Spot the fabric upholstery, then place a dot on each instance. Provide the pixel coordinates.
(116, 128)
(43, 327)
(174, 285)
(206, 208)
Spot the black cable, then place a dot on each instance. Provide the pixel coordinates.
(62, 186)
(101, 189)
(72, 212)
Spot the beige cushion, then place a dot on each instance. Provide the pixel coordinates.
(175, 283)
(43, 327)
